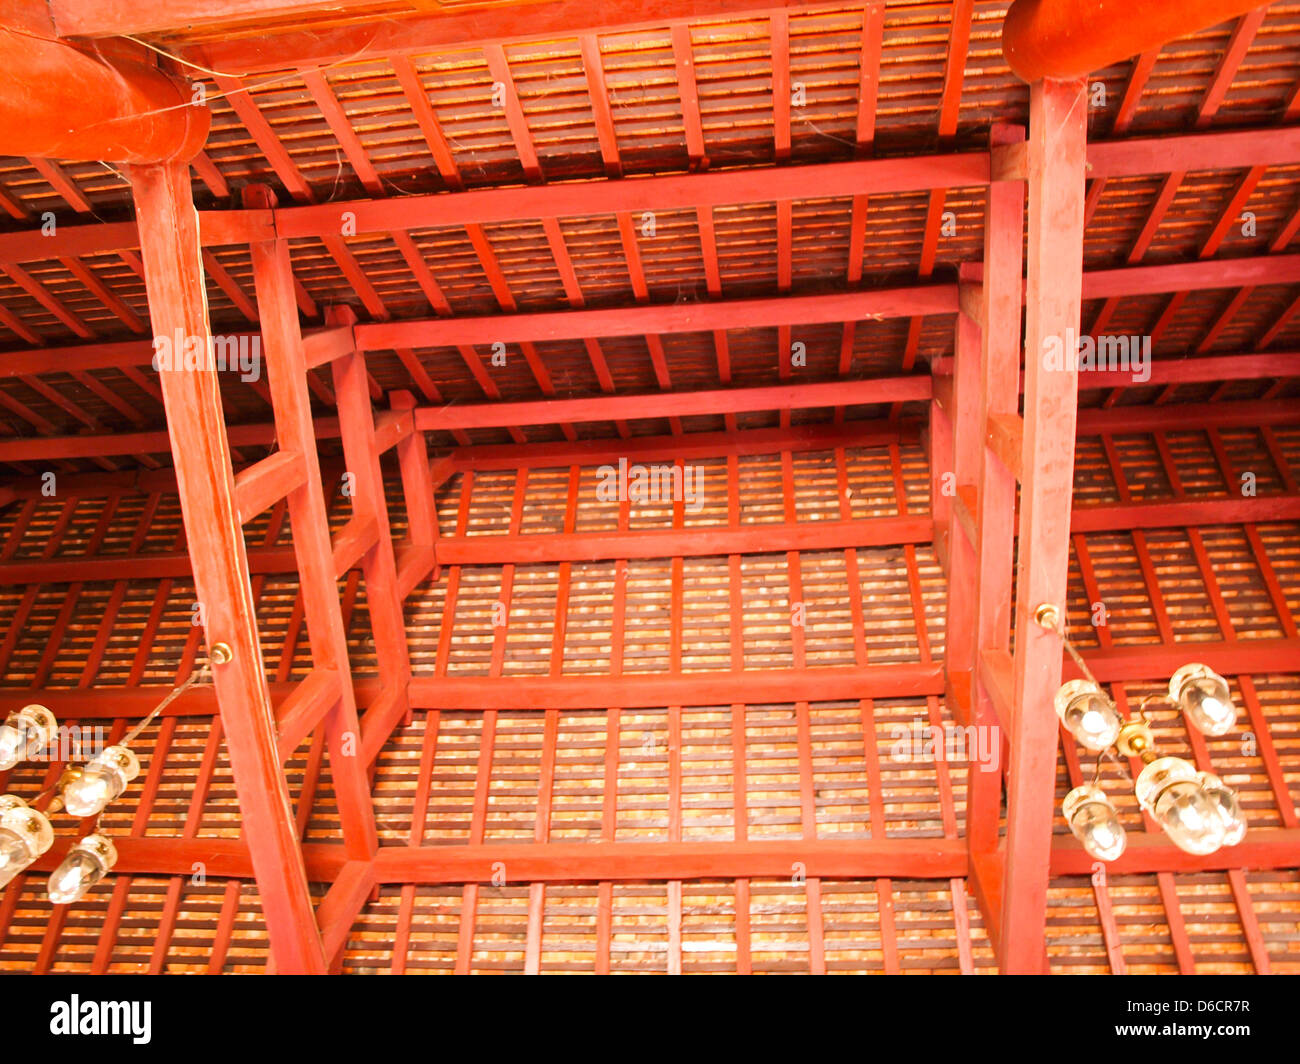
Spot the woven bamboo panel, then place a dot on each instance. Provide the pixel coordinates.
(803, 772)
(510, 267)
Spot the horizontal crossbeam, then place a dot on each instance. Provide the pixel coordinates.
(901, 858)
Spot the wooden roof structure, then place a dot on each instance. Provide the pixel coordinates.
(481, 716)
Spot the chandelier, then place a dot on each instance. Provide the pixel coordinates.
(1196, 809)
(83, 791)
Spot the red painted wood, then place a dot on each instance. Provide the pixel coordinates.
(287, 371)
(261, 485)
(587, 862)
(654, 405)
(1071, 38)
(339, 908)
(169, 230)
(1058, 124)
(674, 318)
(1150, 851)
(361, 452)
(1190, 276)
(698, 689)
(697, 541)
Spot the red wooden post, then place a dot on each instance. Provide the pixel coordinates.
(417, 487)
(178, 305)
(940, 439)
(1057, 147)
(291, 404)
(357, 430)
(995, 487)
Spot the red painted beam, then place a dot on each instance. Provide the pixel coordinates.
(712, 688)
(1184, 513)
(1072, 38)
(1190, 276)
(568, 199)
(58, 101)
(594, 451)
(1279, 365)
(50, 448)
(674, 404)
(420, 33)
(201, 454)
(647, 320)
(1158, 661)
(1147, 853)
(698, 541)
(1057, 144)
(318, 582)
(1115, 664)
(570, 862)
(695, 542)
(1182, 417)
(938, 858)
(691, 445)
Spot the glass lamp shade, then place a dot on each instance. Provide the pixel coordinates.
(25, 734)
(25, 834)
(1094, 822)
(1088, 714)
(101, 780)
(84, 866)
(1224, 799)
(1205, 698)
(1170, 790)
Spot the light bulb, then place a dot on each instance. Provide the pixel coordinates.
(84, 866)
(25, 834)
(25, 734)
(1170, 790)
(1224, 799)
(1204, 697)
(1088, 714)
(1094, 822)
(101, 780)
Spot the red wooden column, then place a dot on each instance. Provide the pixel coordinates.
(286, 365)
(169, 243)
(939, 434)
(1056, 156)
(996, 403)
(421, 510)
(383, 596)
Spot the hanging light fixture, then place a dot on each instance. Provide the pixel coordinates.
(1196, 809)
(87, 790)
(83, 791)
(1094, 822)
(1224, 799)
(1088, 714)
(84, 866)
(1203, 696)
(24, 734)
(25, 834)
(104, 777)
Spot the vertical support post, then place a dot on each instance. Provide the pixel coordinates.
(169, 244)
(277, 311)
(1056, 158)
(995, 490)
(940, 431)
(417, 488)
(383, 599)
(967, 456)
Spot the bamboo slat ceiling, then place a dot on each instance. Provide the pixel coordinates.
(387, 116)
(670, 98)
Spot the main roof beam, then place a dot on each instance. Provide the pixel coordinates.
(1228, 150)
